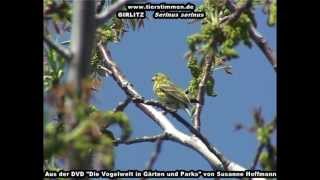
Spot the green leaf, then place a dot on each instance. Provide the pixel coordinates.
(263, 134)
(53, 70)
(122, 120)
(193, 87)
(53, 139)
(265, 161)
(52, 57)
(230, 52)
(210, 87)
(194, 67)
(272, 16)
(92, 108)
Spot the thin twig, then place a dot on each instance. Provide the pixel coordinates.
(272, 154)
(107, 13)
(141, 139)
(122, 105)
(258, 39)
(236, 14)
(154, 155)
(64, 52)
(107, 71)
(263, 45)
(256, 158)
(202, 87)
(273, 123)
(197, 133)
(65, 42)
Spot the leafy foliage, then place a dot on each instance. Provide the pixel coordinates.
(220, 38)
(267, 161)
(89, 135)
(53, 69)
(91, 132)
(114, 30)
(272, 15)
(111, 32)
(203, 43)
(50, 164)
(59, 13)
(267, 157)
(263, 134)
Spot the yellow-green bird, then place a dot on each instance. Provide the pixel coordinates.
(169, 94)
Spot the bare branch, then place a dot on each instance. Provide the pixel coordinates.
(225, 162)
(154, 155)
(236, 14)
(106, 14)
(155, 104)
(258, 39)
(122, 105)
(142, 139)
(263, 45)
(185, 123)
(202, 87)
(159, 118)
(256, 158)
(106, 70)
(64, 52)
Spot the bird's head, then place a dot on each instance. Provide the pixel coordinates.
(160, 77)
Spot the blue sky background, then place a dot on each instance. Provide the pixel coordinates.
(160, 47)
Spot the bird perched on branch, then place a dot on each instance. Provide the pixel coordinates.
(169, 94)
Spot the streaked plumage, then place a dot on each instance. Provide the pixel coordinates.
(169, 94)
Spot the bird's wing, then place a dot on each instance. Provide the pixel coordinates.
(176, 93)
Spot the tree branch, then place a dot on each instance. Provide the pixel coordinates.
(174, 134)
(185, 123)
(122, 105)
(201, 91)
(257, 38)
(64, 52)
(107, 71)
(155, 154)
(263, 45)
(256, 158)
(237, 12)
(141, 139)
(106, 14)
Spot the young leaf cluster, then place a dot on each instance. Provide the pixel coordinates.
(53, 69)
(91, 134)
